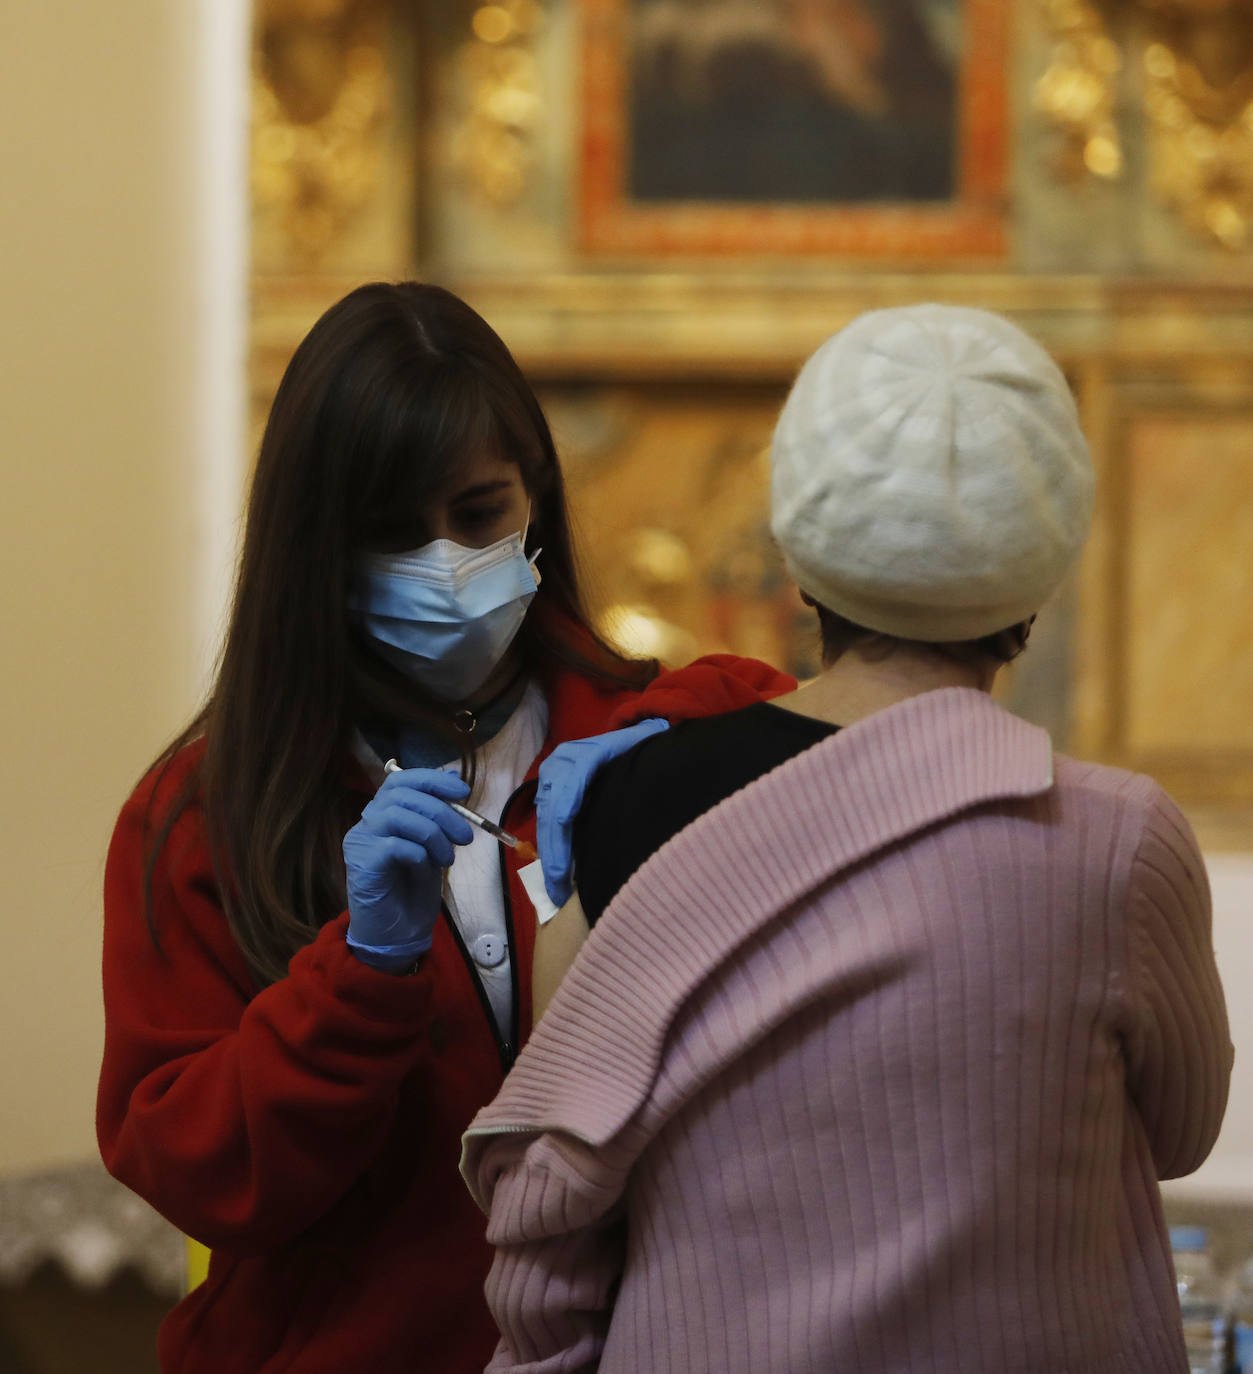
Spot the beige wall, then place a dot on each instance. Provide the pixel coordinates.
(104, 542)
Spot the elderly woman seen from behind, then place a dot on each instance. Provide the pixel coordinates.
(892, 1018)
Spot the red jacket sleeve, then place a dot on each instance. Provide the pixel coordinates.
(707, 687)
(242, 1118)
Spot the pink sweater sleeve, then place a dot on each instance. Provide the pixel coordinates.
(1179, 1048)
(556, 1225)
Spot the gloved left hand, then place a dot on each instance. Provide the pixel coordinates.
(563, 779)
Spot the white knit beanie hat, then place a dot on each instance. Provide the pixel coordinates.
(930, 479)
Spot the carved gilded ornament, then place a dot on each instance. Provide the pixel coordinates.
(1079, 91)
(499, 76)
(1197, 60)
(321, 94)
(1199, 98)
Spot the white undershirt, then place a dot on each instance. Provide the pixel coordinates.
(474, 883)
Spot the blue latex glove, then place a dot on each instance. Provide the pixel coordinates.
(394, 860)
(563, 779)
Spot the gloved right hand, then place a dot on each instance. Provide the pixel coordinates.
(394, 861)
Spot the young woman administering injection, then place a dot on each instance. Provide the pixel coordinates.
(305, 1000)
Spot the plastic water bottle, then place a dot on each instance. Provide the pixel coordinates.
(1201, 1301)
(1241, 1309)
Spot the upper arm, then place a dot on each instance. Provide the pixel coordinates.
(1179, 1050)
(556, 944)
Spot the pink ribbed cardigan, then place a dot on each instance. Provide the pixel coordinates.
(872, 1068)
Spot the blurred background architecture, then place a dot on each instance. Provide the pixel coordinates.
(662, 206)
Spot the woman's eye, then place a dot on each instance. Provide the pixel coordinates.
(480, 517)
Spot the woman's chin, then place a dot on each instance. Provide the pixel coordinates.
(500, 678)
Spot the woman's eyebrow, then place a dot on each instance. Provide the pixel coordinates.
(480, 489)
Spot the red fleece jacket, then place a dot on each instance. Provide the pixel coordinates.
(310, 1133)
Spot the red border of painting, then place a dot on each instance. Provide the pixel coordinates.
(971, 225)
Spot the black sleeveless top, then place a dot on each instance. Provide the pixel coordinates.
(643, 798)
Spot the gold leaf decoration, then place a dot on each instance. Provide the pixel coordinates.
(1078, 92)
(321, 95)
(500, 77)
(1198, 103)
(1198, 76)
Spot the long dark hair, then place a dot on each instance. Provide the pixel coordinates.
(391, 389)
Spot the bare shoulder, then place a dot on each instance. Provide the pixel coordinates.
(557, 942)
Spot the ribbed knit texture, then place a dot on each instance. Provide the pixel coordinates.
(881, 1060)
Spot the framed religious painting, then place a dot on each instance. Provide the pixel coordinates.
(860, 128)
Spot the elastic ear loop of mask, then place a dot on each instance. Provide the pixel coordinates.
(530, 562)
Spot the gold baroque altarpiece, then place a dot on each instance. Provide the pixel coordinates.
(389, 141)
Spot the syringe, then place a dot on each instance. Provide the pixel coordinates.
(524, 849)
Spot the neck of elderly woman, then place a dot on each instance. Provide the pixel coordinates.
(880, 671)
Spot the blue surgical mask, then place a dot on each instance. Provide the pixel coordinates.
(445, 614)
